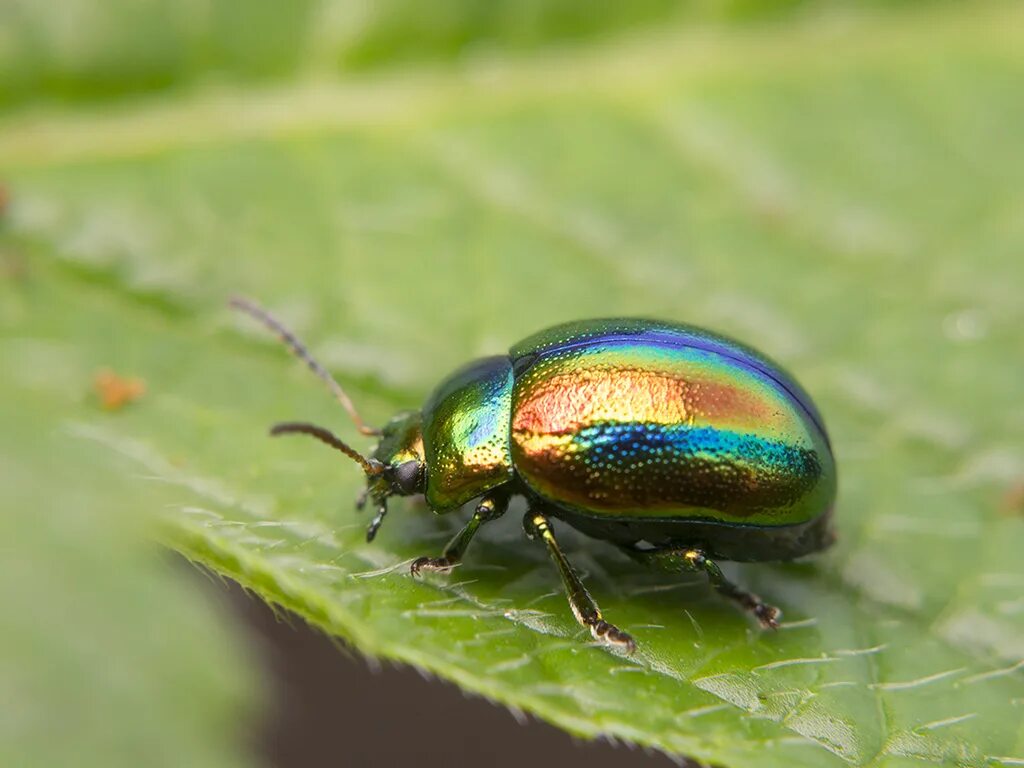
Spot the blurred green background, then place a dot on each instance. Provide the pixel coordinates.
(83, 51)
(410, 185)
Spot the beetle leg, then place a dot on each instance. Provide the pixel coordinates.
(361, 499)
(490, 508)
(371, 529)
(583, 606)
(768, 615)
(691, 560)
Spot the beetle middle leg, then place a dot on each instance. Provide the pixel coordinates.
(490, 508)
(583, 606)
(687, 560)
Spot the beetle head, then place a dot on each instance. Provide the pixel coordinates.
(400, 453)
(396, 467)
(400, 469)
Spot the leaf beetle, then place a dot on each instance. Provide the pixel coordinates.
(677, 445)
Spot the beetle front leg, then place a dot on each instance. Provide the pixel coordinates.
(691, 560)
(587, 613)
(490, 508)
(374, 526)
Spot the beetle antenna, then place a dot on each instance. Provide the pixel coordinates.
(371, 467)
(298, 349)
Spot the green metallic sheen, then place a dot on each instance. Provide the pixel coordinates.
(465, 433)
(401, 439)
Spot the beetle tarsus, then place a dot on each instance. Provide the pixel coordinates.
(361, 499)
(437, 564)
(686, 560)
(490, 508)
(584, 608)
(612, 635)
(371, 530)
(768, 615)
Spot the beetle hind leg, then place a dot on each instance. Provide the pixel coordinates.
(692, 560)
(583, 606)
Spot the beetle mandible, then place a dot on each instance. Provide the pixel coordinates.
(677, 445)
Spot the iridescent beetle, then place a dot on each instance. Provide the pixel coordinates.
(677, 445)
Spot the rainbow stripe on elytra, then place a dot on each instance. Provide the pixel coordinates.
(669, 422)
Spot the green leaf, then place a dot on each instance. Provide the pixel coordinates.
(843, 194)
(107, 656)
(92, 50)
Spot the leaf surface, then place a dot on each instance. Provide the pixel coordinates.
(844, 195)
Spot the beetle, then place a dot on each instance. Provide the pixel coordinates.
(677, 445)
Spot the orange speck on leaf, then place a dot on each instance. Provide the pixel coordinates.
(1012, 503)
(114, 391)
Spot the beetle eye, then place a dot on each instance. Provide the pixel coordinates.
(407, 476)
